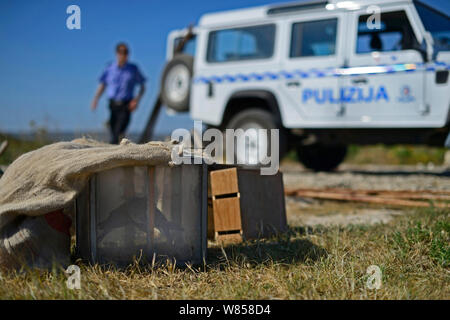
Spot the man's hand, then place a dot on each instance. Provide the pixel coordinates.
(135, 102)
(94, 104)
(133, 105)
(98, 94)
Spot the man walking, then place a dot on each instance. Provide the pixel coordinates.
(119, 79)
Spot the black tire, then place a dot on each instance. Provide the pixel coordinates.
(178, 101)
(319, 157)
(265, 120)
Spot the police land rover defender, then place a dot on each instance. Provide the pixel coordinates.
(326, 74)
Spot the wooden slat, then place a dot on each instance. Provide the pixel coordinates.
(227, 214)
(223, 182)
(397, 194)
(229, 238)
(326, 195)
(151, 209)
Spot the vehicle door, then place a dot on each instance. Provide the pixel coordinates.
(384, 80)
(315, 51)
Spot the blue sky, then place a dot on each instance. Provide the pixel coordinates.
(49, 73)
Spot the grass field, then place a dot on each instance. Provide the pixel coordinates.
(17, 147)
(379, 154)
(413, 252)
(389, 155)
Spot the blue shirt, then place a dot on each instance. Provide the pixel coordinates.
(120, 81)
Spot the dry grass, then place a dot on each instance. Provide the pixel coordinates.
(395, 155)
(322, 263)
(17, 147)
(372, 154)
(388, 155)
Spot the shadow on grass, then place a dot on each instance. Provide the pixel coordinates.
(284, 248)
(279, 249)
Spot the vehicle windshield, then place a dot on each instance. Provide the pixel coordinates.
(437, 23)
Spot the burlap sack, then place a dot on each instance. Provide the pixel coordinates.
(48, 180)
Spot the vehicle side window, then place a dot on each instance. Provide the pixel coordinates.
(314, 38)
(395, 34)
(246, 43)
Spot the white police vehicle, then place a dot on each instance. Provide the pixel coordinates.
(326, 73)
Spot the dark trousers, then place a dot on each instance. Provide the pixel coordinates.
(119, 120)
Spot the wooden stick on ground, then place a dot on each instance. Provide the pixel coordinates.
(3, 147)
(396, 198)
(396, 194)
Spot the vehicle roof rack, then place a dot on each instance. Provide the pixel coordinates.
(298, 6)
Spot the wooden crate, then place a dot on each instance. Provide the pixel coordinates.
(156, 213)
(262, 206)
(263, 210)
(224, 209)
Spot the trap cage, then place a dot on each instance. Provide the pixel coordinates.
(155, 213)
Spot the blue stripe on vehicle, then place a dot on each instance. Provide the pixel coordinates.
(321, 73)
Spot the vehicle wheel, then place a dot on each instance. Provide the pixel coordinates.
(319, 157)
(176, 82)
(246, 150)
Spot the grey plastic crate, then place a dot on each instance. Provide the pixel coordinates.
(149, 212)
